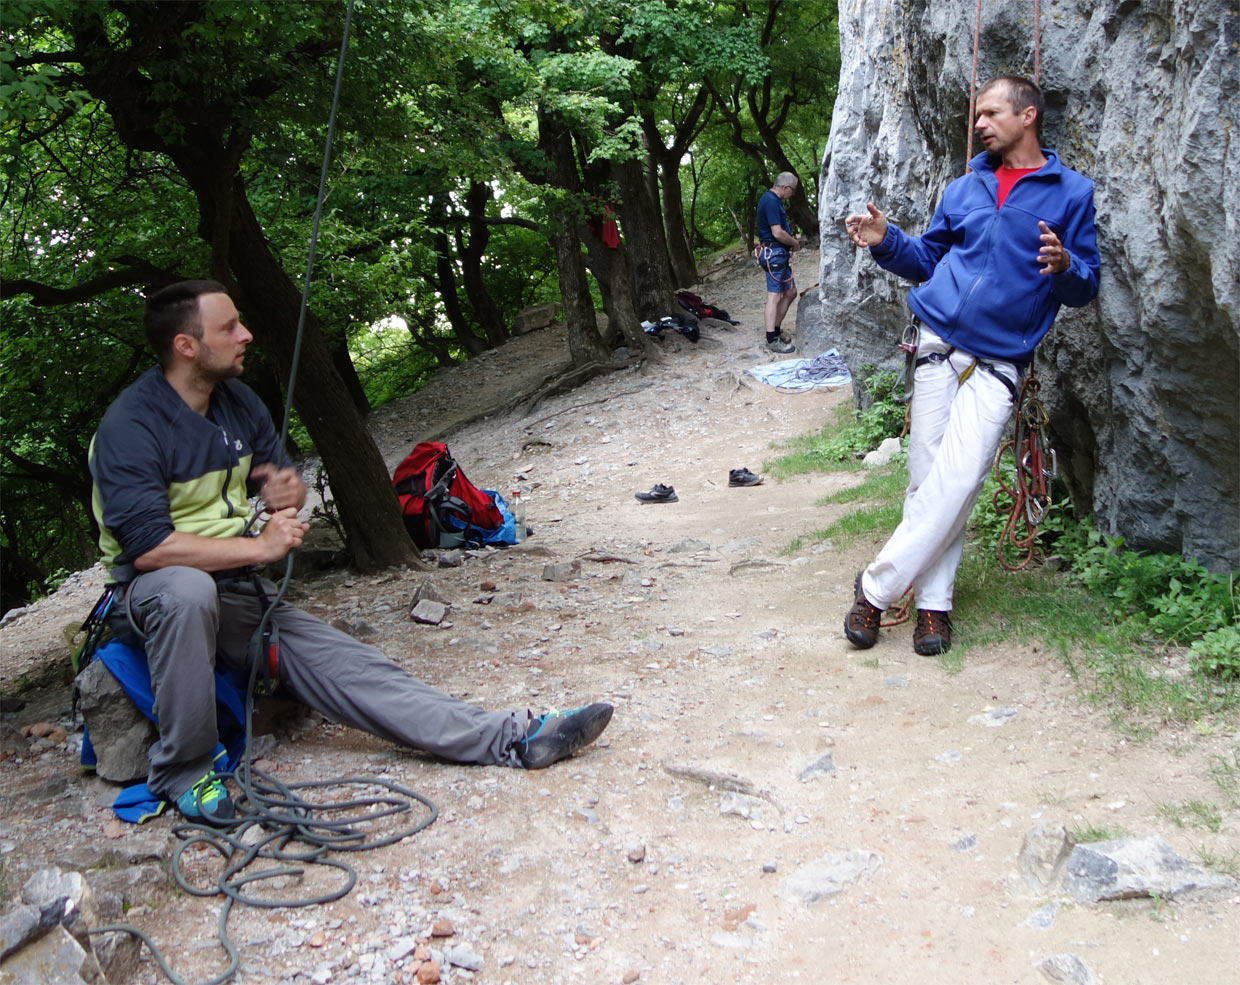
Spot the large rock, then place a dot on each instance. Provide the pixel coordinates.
(536, 317)
(119, 733)
(53, 959)
(1141, 385)
(1135, 868)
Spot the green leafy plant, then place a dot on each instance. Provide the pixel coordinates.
(1169, 597)
(1218, 653)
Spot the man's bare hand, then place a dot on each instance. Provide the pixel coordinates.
(282, 488)
(282, 532)
(1052, 256)
(867, 230)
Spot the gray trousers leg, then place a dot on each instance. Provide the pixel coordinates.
(177, 610)
(191, 622)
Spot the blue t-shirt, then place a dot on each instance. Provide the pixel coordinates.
(771, 213)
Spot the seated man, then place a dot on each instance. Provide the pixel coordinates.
(172, 462)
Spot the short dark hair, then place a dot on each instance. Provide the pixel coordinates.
(1021, 92)
(173, 311)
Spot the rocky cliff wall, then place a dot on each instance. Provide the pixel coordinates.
(1143, 385)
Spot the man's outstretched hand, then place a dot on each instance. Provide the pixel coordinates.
(867, 230)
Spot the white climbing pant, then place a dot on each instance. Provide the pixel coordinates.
(956, 429)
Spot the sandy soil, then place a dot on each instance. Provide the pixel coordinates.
(724, 658)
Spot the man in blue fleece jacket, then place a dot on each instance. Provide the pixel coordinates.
(1009, 243)
(173, 462)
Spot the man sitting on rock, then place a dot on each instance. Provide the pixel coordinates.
(173, 461)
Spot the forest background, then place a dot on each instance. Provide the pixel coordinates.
(480, 145)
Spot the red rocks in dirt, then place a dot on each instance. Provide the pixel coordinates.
(442, 928)
(428, 973)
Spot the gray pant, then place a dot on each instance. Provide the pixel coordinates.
(190, 621)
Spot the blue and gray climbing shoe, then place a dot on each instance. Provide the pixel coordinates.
(558, 734)
(206, 802)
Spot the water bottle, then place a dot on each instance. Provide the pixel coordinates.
(517, 509)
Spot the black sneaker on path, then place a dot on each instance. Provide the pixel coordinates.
(659, 494)
(743, 477)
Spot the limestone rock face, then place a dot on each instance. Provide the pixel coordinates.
(1142, 384)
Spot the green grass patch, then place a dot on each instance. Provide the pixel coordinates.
(881, 492)
(885, 484)
(1227, 862)
(1197, 813)
(1149, 638)
(1086, 833)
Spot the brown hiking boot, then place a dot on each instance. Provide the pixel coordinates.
(933, 633)
(861, 623)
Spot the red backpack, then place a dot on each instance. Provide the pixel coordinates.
(440, 505)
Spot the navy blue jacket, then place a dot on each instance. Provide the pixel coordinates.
(159, 466)
(982, 291)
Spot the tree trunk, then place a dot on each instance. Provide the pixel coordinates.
(650, 272)
(360, 483)
(668, 159)
(488, 314)
(611, 270)
(342, 359)
(584, 343)
(446, 286)
(262, 376)
(684, 266)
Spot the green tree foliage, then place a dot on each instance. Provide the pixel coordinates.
(145, 142)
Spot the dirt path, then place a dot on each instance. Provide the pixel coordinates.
(725, 661)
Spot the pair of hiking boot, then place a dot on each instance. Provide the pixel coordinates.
(932, 633)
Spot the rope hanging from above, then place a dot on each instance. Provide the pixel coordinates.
(977, 44)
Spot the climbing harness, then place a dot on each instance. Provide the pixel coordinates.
(908, 345)
(1023, 469)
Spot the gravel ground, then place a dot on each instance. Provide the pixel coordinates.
(749, 743)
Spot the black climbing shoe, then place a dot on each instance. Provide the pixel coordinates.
(743, 477)
(558, 734)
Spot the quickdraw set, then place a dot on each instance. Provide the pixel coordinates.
(1024, 469)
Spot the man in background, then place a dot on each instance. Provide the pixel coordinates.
(776, 244)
